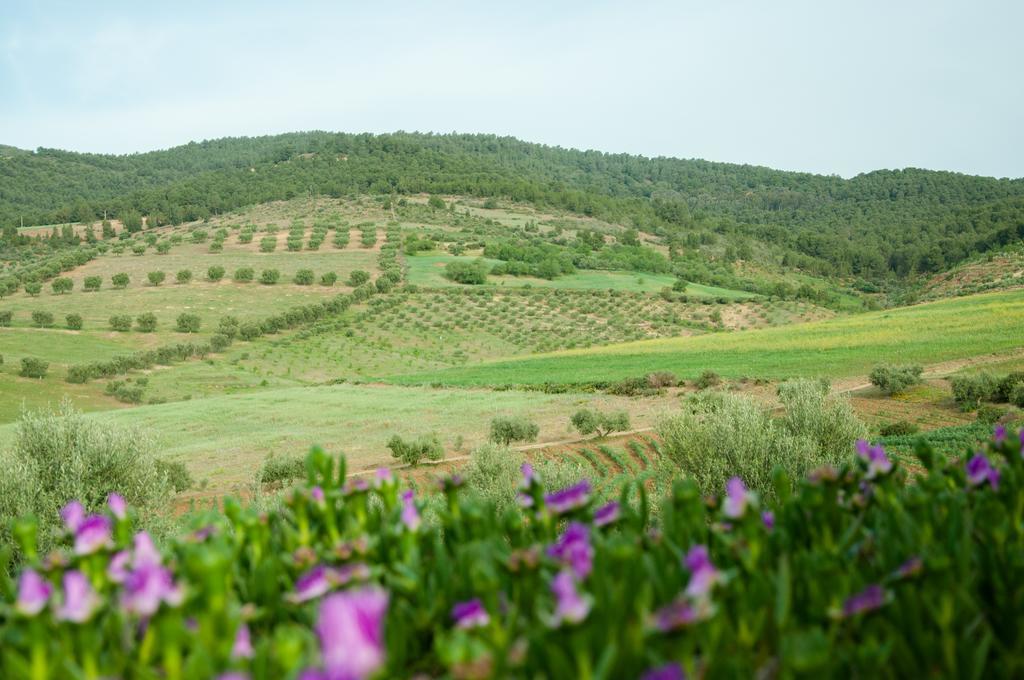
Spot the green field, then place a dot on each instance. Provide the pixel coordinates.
(224, 439)
(428, 271)
(926, 333)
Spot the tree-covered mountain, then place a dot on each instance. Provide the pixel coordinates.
(884, 223)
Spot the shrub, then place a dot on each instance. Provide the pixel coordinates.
(357, 278)
(156, 278)
(469, 273)
(249, 331)
(216, 247)
(412, 451)
(119, 280)
(62, 285)
(282, 469)
(707, 379)
(187, 323)
(304, 277)
(328, 279)
(32, 367)
(215, 273)
(244, 274)
(228, 327)
(661, 379)
(33, 288)
(895, 379)
(91, 284)
(163, 247)
(219, 342)
(146, 323)
(61, 456)
(5, 317)
(198, 236)
(41, 319)
(508, 429)
(121, 322)
(899, 428)
(1017, 395)
(970, 390)
(268, 244)
(1007, 384)
(74, 322)
(269, 276)
(183, 276)
(589, 421)
(989, 414)
(176, 474)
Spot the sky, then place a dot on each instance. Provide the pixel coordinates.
(834, 87)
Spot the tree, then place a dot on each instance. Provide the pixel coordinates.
(74, 322)
(895, 379)
(119, 280)
(357, 278)
(587, 421)
(41, 319)
(328, 279)
(33, 288)
(5, 317)
(228, 327)
(31, 367)
(121, 322)
(198, 236)
(91, 284)
(156, 278)
(183, 275)
(412, 451)
(436, 202)
(62, 285)
(146, 322)
(269, 276)
(505, 430)
(470, 273)
(188, 323)
(304, 277)
(215, 273)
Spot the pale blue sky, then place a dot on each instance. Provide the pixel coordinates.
(833, 87)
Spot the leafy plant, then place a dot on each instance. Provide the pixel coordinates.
(589, 421)
(508, 429)
(413, 451)
(895, 379)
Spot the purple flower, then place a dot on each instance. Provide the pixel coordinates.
(678, 614)
(670, 671)
(321, 579)
(573, 549)
(570, 606)
(146, 587)
(528, 475)
(470, 614)
(242, 647)
(33, 593)
(233, 675)
(999, 434)
(569, 498)
(92, 534)
(72, 514)
(867, 600)
(79, 600)
(410, 515)
(911, 567)
(876, 458)
(703, 575)
(118, 507)
(768, 519)
(357, 485)
(979, 471)
(117, 568)
(607, 513)
(145, 552)
(317, 494)
(736, 498)
(351, 631)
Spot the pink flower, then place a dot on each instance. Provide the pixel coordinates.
(117, 568)
(242, 647)
(703, 575)
(351, 632)
(79, 600)
(876, 458)
(470, 614)
(72, 514)
(147, 587)
(736, 498)
(410, 515)
(33, 593)
(570, 605)
(573, 549)
(92, 534)
(322, 579)
(117, 505)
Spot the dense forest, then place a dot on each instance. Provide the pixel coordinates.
(876, 225)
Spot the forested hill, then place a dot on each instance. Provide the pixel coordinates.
(877, 224)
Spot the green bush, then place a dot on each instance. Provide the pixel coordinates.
(589, 421)
(707, 379)
(469, 273)
(32, 367)
(412, 451)
(1007, 384)
(228, 327)
(970, 390)
(183, 276)
(895, 379)
(121, 322)
(282, 469)
(249, 331)
(42, 319)
(5, 318)
(198, 236)
(508, 429)
(328, 279)
(899, 428)
(92, 284)
(187, 323)
(177, 475)
(244, 274)
(304, 277)
(357, 278)
(989, 414)
(33, 288)
(74, 322)
(269, 277)
(268, 244)
(146, 323)
(215, 273)
(119, 280)
(156, 278)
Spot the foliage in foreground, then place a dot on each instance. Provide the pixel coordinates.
(853, 572)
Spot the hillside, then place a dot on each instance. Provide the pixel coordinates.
(872, 226)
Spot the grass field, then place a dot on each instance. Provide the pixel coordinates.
(428, 271)
(844, 346)
(224, 439)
